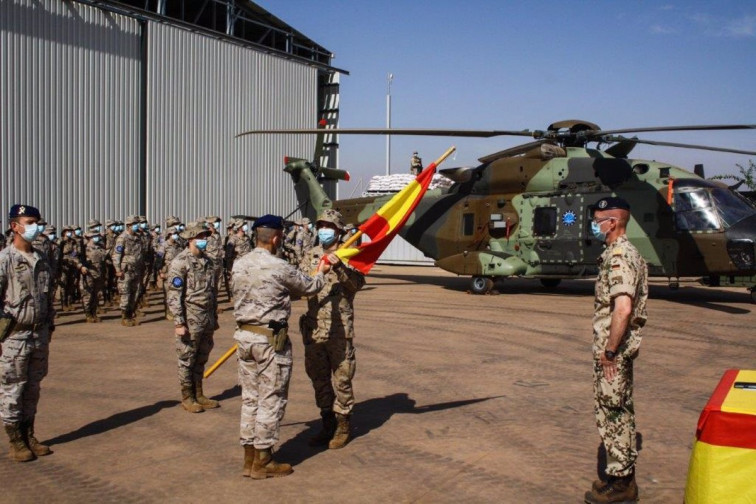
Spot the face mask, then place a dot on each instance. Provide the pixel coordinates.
(31, 231)
(143, 225)
(135, 227)
(96, 239)
(309, 226)
(40, 227)
(52, 236)
(121, 228)
(114, 228)
(78, 232)
(68, 234)
(245, 228)
(200, 244)
(174, 236)
(97, 229)
(182, 227)
(596, 230)
(157, 230)
(326, 236)
(216, 225)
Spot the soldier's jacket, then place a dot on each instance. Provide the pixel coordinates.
(191, 292)
(42, 243)
(169, 250)
(26, 290)
(236, 247)
(214, 248)
(332, 309)
(622, 270)
(95, 259)
(110, 239)
(70, 253)
(127, 253)
(55, 258)
(263, 284)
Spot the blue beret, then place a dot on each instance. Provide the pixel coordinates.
(611, 203)
(269, 221)
(23, 211)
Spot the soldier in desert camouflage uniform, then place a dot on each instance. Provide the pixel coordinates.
(171, 246)
(262, 286)
(94, 266)
(68, 276)
(128, 265)
(619, 315)
(328, 330)
(215, 251)
(26, 327)
(192, 302)
(238, 245)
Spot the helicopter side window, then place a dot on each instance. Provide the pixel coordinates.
(544, 221)
(468, 224)
(694, 210)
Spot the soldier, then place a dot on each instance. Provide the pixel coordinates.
(238, 244)
(94, 261)
(192, 302)
(110, 288)
(26, 329)
(262, 285)
(42, 242)
(129, 267)
(215, 250)
(148, 258)
(620, 313)
(301, 239)
(171, 247)
(416, 164)
(157, 246)
(328, 330)
(70, 267)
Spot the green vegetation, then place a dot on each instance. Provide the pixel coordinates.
(747, 176)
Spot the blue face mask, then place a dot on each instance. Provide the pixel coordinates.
(245, 228)
(326, 236)
(174, 236)
(68, 234)
(97, 229)
(114, 228)
(31, 231)
(182, 227)
(78, 232)
(135, 227)
(596, 230)
(157, 230)
(96, 239)
(200, 244)
(143, 225)
(52, 237)
(216, 225)
(40, 227)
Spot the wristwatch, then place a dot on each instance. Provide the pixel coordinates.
(609, 354)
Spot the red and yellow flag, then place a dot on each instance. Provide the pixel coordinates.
(387, 221)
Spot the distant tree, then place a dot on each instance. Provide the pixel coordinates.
(747, 176)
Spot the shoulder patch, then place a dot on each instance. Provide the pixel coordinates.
(618, 251)
(119, 249)
(177, 282)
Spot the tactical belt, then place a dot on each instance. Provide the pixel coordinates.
(265, 331)
(28, 327)
(276, 339)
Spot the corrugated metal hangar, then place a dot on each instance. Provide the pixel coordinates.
(111, 108)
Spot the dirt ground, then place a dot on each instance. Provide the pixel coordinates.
(460, 398)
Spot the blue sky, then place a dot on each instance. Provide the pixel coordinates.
(484, 64)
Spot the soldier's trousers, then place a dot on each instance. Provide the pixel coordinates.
(264, 377)
(615, 416)
(128, 287)
(90, 293)
(193, 351)
(67, 283)
(23, 365)
(331, 365)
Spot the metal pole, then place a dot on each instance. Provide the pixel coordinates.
(388, 125)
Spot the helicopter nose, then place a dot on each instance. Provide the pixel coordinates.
(741, 237)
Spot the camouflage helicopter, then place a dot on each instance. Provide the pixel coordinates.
(526, 211)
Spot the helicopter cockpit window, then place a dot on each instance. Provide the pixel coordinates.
(694, 210)
(544, 221)
(731, 206)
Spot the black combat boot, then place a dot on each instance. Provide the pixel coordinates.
(616, 490)
(341, 437)
(201, 399)
(189, 402)
(327, 429)
(264, 466)
(40, 450)
(18, 450)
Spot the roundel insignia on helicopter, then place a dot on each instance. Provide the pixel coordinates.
(569, 218)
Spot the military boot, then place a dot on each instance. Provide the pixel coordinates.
(263, 466)
(125, 319)
(617, 490)
(326, 430)
(35, 446)
(341, 436)
(249, 458)
(17, 450)
(201, 399)
(188, 401)
(90, 319)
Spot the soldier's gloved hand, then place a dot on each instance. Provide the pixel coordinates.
(181, 330)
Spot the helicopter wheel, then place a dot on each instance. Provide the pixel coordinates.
(551, 283)
(481, 285)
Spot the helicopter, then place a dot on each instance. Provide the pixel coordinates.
(526, 211)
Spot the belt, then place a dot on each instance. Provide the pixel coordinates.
(265, 331)
(28, 327)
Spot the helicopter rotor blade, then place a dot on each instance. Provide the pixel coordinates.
(710, 127)
(680, 145)
(389, 131)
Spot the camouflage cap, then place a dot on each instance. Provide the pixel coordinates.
(132, 219)
(51, 229)
(212, 218)
(42, 222)
(93, 223)
(91, 234)
(238, 224)
(67, 227)
(332, 216)
(172, 220)
(143, 218)
(304, 221)
(193, 229)
(110, 222)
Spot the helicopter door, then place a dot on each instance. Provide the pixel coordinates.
(556, 230)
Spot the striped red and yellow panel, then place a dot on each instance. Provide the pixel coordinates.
(723, 462)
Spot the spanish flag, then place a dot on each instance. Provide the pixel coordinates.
(723, 462)
(387, 221)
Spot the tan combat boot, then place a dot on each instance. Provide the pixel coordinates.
(249, 458)
(17, 449)
(201, 399)
(188, 401)
(617, 490)
(125, 318)
(90, 319)
(35, 446)
(263, 466)
(325, 435)
(341, 436)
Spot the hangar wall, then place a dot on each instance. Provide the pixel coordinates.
(105, 115)
(69, 125)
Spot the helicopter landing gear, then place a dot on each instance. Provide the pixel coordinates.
(481, 285)
(753, 294)
(551, 283)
